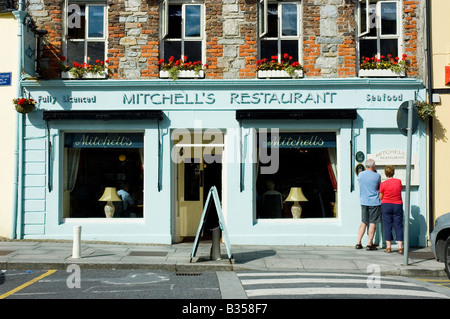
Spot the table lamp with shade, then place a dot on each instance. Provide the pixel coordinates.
(296, 196)
(109, 196)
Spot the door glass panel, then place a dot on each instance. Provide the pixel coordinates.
(192, 181)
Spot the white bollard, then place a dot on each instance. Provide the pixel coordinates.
(76, 250)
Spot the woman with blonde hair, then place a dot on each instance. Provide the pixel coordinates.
(392, 208)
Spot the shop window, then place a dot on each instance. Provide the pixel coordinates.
(305, 160)
(182, 30)
(94, 161)
(379, 28)
(86, 32)
(279, 29)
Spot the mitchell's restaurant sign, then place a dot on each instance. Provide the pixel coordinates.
(208, 98)
(193, 98)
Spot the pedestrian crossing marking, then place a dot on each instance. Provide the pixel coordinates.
(276, 284)
(341, 291)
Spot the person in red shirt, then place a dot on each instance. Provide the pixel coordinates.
(392, 208)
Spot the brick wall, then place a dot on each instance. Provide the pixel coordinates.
(329, 46)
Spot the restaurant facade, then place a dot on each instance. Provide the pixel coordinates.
(283, 153)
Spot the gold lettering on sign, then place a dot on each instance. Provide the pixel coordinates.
(88, 140)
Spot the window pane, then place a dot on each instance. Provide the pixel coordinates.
(192, 24)
(88, 170)
(289, 18)
(76, 21)
(96, 21)
(193, 50)
(290, 47)
(172, 48)
(389, 47)
(75, 52)
(272, 21)
(174, 22)
(96, 51)
(269, 48)
(368, 48)
(372, 19)
(309, 166)
(388, 18)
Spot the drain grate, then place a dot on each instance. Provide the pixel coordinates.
(188, 273)
(148, 253)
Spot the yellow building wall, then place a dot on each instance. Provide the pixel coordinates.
(441, 123)
(8, 63)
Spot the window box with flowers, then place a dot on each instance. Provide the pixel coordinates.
(286, 68)
(385, 66)
(181, 69)
(24, 105)
(87, 71)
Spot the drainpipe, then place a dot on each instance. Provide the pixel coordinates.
(430, 122)
(20, 15)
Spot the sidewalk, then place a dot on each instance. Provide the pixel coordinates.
(28, 254)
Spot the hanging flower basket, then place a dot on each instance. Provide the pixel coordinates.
(24, 105)
(425, 110)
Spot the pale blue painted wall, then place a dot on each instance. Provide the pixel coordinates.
(214, 106)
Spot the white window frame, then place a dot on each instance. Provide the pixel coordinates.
(86, 38)
(362, 34)
(164, 26)
(263, 26)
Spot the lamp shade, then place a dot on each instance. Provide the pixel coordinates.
(296, 195)
(110, 195)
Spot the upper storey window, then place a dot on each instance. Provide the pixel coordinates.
(279, 29)
(182, 30)
(379, 28)
(85, 33)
